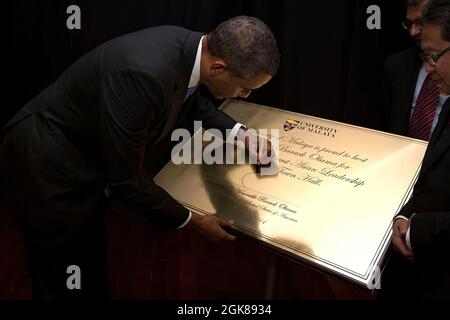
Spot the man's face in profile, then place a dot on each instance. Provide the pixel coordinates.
(439, 67)
(225, 85)
(413, 15)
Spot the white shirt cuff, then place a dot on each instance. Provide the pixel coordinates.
(408, 236)
(107, 191)
(235, 130)
(187, 220)
(408, 239)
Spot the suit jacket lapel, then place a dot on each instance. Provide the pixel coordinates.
(181, 82)
(184, 74)
(411, 74)
(187, 105)
(440, 139)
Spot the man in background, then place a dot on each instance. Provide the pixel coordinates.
(420, 264)
(413, 99)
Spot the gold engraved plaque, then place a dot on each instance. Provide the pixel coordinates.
(332, 201)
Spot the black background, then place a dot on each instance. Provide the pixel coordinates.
(331, 64)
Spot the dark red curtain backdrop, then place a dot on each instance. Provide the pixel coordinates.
(331, 64)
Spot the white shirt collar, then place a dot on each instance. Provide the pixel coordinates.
(195, 75)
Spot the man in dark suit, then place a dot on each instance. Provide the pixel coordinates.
(83, 142)
(420, 265)
(406, 85)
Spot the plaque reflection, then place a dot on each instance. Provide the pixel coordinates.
(330, 205)
(234, 201)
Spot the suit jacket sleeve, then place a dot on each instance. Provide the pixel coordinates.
(130, 101)
(202, 109)
(408, 208)
(429, 232)
(430, 236)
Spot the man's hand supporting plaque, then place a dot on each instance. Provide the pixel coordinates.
(400, 237)
(261, 152)
(211, 227)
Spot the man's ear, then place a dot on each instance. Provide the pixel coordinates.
(217, 67)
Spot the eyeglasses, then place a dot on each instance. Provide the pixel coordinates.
(407, 24)
(433, 59)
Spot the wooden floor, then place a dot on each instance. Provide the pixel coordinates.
(181, 265)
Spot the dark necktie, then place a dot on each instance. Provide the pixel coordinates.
(189, 92)
(424, 111)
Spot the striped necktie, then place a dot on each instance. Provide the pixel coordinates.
(421, 121)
